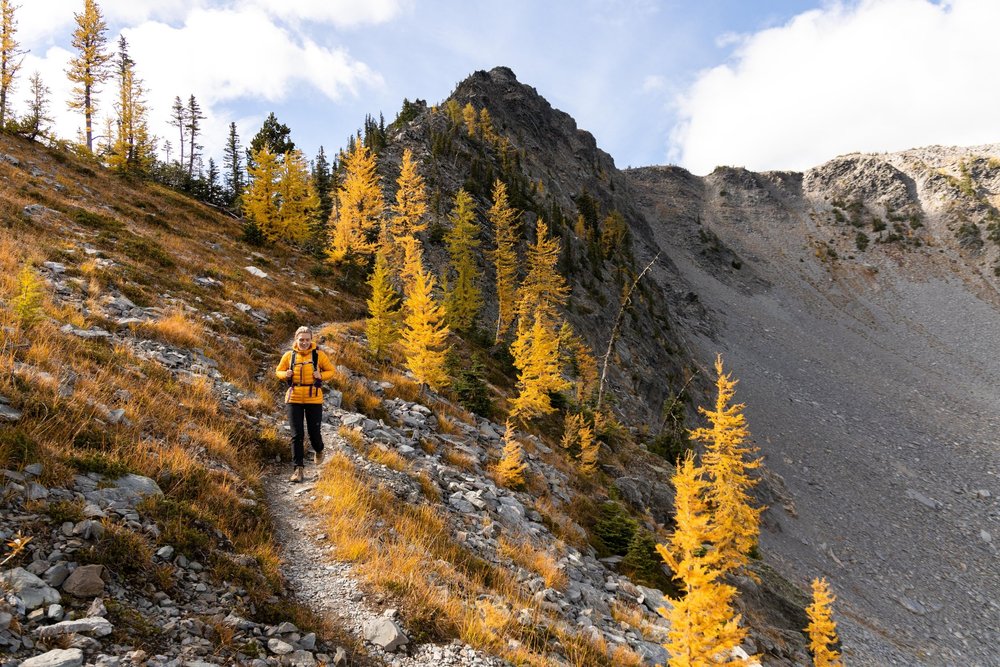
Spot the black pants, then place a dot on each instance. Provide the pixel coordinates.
(313, 413)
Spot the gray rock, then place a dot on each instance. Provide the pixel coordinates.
(71, 657)
(33, 469)
(652, 654)
(55, 267)
(254, 271)
(302, 658)
(96, 625)
(9, 414)
(165, 552)
(924, 500)
(32, 591)
(85, 581)
(129, 489)
(386, 634)
(278, 647)
(36, 491)
(116, 416)
(653, 598)
(56, 575)
(285, 628)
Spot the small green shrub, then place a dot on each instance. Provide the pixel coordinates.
(62, 511)
(101, 463)
(861, 240)
(122, 551)
(614, 529)
(16, 448)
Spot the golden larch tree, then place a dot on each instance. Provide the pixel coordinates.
(704, 629)
(382, 309)
(411, 200)
(132, 150)
(357, 221)
(822, 628)
(510, 469)
(463, 299)
(260, 199)
(590, 450)
(502, 219)
(297, 198)
(577, 355)
(536, 357)
(470, 116)
(486, 130)
(425, 332)
(11, 56)
(89, 68)
(728, 464)
(573, 423)
(543, 290)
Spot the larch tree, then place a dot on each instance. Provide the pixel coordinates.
(822, 629)
(11, 57)
(383, 309)
(536, 358)
(296, 197)
(511, 467)
(544, 289)
(590, 450)
(503, 220)
(410, 206)
(704, 629)
(260, 200)
(425, 332)
(464, 298)
(132, 150)
(727, 463)
(360, 206)
(470, 116)
(577, 355)
(90, 67)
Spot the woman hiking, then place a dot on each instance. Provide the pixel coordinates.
(304, 368)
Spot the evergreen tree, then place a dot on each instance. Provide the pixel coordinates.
(232, 162)
(274, 135)
(260, 201)
(536, 357)
(132, 150)
(296, 198)
(726, 462)
(34, 123)
(359, 208)
(11, 57)
(89, 68)
(464, 298)
(214, 194)
(193, 120)
(178, 119)
(822, 629)
(502, 218)
(704, 629)
(425, 332)
(382, 309)
(411, 200)
(322, 178)
(510, 469)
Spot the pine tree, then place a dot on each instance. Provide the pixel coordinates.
(382, 309)
(178, 119)
(274, 135)
(33, 124)
(11, 56)
(822, 629)
(425, 332)
(132, 151)
(543, 290)
(89, 68)
(536, 357)
(726, 462)
(232, 162)
(502, 218)
(193, 126)
(464, 298)
(296, 198)
(322, 178)
(260, 201)
(510, 469)
(359, 207)
(411, 200)
(213, 191)
(704, 629)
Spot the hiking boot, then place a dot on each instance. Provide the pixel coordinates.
(297, 476)
(318, 457)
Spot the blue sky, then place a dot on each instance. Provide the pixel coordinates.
(782, 84)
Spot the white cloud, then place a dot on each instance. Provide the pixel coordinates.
(39, 22)
(653, 82)
(222, 57)
(879, 75)
(341, 13)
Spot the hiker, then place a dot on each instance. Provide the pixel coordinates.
(304, 368)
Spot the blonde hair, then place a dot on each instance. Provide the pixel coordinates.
(302, 330)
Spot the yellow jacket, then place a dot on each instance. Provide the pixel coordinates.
(302, 389)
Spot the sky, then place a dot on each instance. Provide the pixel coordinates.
(782, 84)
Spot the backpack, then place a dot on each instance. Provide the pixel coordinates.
(315, 362)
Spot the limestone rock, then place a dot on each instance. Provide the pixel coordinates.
(386, 634)
(95, 625)
(72, 657)
(32, 591)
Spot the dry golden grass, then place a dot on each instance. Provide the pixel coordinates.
(388, 458)
(177, 328)
(459, 460)
(534, 560)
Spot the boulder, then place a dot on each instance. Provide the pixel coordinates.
(386, 634)
(85, 581)
(71, 657)
(94, 625)
(32, 591)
